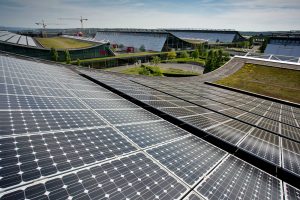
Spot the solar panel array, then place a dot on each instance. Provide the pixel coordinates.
(65, 137)
(255, 125)
(13, 38)
(268, 130)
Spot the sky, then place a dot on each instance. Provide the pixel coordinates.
(242, 15)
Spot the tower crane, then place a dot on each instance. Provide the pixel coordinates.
(43, 24)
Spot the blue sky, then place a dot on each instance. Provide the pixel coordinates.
(252, 15)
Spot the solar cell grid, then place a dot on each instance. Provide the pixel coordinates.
(270, 125)
(158, 104)
(289, 120)
(18, 122)
(109, 104)
(127, 116)
(272, 115)
(189, 158)
(290, 132)
(291, 156)
(227, 133)
(216, 107)
(95, 94)
(148, 134)
(146, 97)
(178, 112)
(264, 145)
(291, 192)
(36, 91)
(249, 118)
(36, 102)
(199, 121)
(239, 125)
(216, 116)
(31, 82)
(90, 87)
(28, 158)
(133, 177)
(232, 112)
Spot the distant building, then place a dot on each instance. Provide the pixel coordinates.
(209, 36)
(28, 46)
(284, 45)
(151, 40)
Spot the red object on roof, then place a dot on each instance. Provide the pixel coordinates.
(80, 34)
(130, 49)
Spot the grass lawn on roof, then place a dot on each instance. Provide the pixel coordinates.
(63, 43)
(270, 81)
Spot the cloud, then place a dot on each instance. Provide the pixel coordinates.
(236, 14)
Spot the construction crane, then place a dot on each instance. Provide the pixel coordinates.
(80, 19)
(44, 25)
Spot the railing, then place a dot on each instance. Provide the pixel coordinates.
(273, 58)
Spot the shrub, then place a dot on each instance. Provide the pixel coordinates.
(226, 56)
(150, 70)
(142, 48)
(195, 54)
(54, 54)
(172, 55)
(156, 71)
(184, 54)
(67, 57)
(78, 62)
(155, 60)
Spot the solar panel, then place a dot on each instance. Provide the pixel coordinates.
(127, 116)
(291, 155)
(148, 134)
(38, 102)
(190, 158)
(264, 145)
(291, 193)
(18, 122)
(26, 158)
(132, 177)
(235, 179)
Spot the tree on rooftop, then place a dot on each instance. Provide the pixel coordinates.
(156, 60)
(142, 48)
(195, 54)
(54, 54)
(67, 57)
(172, 55)
(184, 54)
